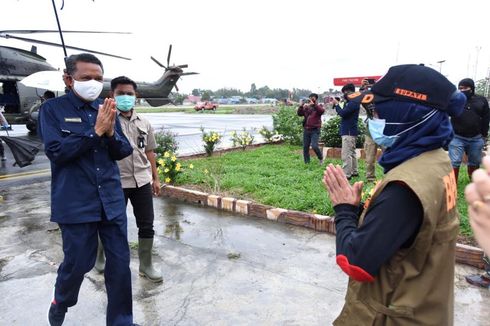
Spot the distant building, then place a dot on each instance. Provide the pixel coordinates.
(193, 99)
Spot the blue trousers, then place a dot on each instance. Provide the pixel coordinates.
(473, 148)
(310, 137)
(80, 249)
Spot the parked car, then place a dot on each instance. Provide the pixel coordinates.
(206, 106)
(251, 100)
(222, 100)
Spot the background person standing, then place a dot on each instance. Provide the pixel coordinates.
(312, 123)
(139, 176)
(470, 129)
(349, 115)
(399, 249)
(370, 147)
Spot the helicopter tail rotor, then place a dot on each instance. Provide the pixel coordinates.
(176, 69)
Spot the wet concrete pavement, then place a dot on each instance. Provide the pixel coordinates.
(219, 269)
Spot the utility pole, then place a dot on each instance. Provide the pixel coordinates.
(440, 62)
(478, 48)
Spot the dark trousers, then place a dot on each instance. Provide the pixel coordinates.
(310, 137)
(80, 249)
(142, 200)
(2, 151)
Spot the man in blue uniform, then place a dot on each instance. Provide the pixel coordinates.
(83, 140)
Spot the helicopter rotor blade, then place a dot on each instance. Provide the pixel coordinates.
(182, 66)
(189, 73)
(158, 63)
(7, 36)
(34, 31)
(169, 53)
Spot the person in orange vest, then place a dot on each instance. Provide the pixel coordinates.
(398, 249)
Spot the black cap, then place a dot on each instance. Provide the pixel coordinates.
(412, 83)
(467, 82)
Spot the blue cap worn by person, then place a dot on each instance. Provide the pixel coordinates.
(415, 83)
(414, 103)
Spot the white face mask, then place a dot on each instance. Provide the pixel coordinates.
(88, 90)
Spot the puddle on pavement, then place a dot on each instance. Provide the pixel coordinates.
(225, 232)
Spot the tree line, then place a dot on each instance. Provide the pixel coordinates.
(262, 92)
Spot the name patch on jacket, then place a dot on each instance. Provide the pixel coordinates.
(73, 119)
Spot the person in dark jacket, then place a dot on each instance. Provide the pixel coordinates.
(83, 140)
(470, 129)
(312, 123)
(349, 114)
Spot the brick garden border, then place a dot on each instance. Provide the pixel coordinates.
(465, 254)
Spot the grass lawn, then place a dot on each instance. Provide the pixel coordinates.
(276, 175)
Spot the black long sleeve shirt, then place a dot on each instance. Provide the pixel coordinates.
(391, 222)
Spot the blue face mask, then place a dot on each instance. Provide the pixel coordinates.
(377, 127)
(125, 103)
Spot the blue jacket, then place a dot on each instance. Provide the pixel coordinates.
(85, 180)
(350, 115)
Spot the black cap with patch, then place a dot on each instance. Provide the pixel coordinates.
(414, 83)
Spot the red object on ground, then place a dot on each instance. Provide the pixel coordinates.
(341, 81)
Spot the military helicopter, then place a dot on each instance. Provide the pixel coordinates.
(21, 103)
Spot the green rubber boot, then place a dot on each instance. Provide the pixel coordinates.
(146, 269)
(100, 261)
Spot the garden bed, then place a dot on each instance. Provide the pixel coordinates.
(275, 175)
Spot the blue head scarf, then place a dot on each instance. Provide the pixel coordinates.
(431, 134)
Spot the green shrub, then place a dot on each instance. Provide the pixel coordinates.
(166, 142)
(271, 136)
(330, 133)
(287, 123)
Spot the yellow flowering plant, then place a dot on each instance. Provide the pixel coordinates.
(368, 191)
(242, 139)
(210, 139)
(168, 167)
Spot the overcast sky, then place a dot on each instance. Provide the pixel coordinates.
(282, 44)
